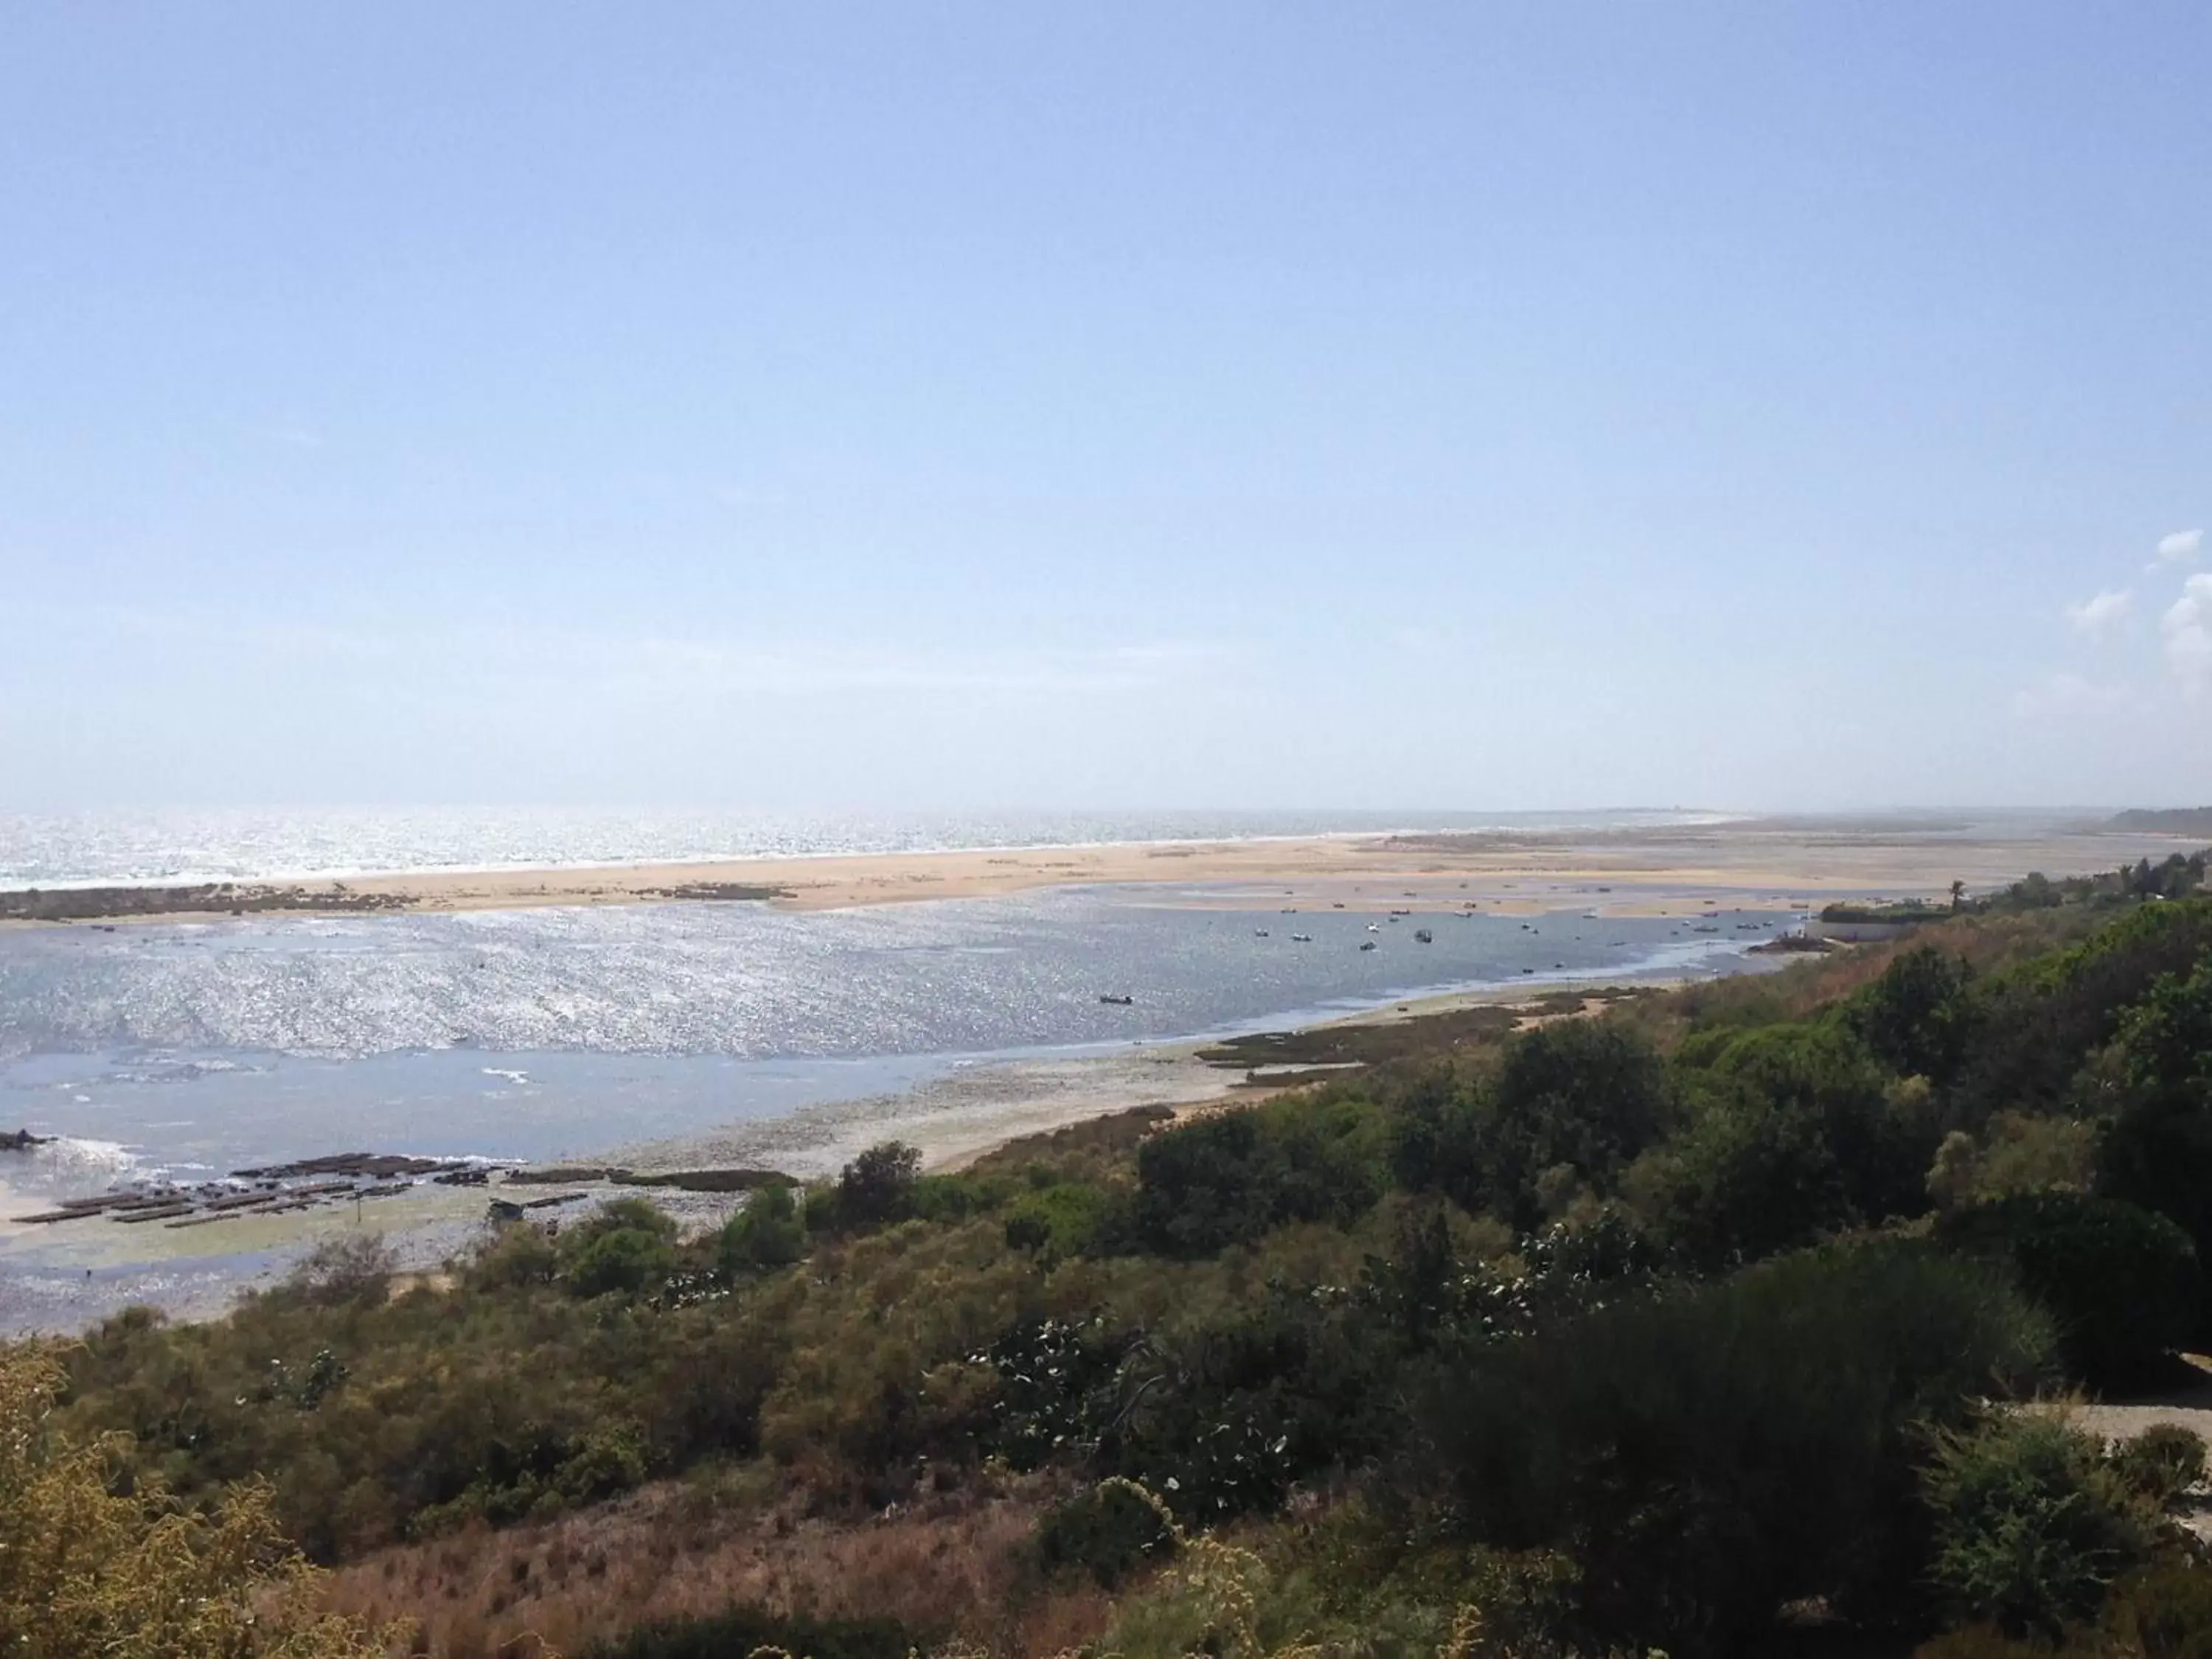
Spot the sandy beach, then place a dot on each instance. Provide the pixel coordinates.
(1640, 871)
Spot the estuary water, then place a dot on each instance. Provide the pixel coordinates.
(200, 1047)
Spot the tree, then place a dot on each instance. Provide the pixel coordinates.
(877, 1186)
(1578, 1098)
(766, 1233)
(2157, 1153)
(1916, 1017)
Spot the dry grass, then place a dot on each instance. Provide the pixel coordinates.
(951, 1563)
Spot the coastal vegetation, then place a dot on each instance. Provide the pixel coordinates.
(1738, 1319)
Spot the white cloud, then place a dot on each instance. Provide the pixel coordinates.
(2098, 617)
(2187, 627)
(2180, 546)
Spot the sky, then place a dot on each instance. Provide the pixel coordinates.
(925, 406)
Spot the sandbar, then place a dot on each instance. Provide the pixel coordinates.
(1648, 871)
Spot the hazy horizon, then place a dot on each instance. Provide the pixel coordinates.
(1262, 408)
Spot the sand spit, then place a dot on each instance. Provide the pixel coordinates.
(1648, 871)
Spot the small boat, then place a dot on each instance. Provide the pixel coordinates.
(1259, 932)
(1117, 1002)
(1367, 944)
(1302, 938)
(1372, 928)
(1423, 936)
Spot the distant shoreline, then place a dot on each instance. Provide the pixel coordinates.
(1653, 870)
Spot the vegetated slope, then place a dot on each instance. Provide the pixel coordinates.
(2167, 820)
(1674, 1326)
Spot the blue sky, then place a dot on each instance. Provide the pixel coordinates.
(929, 405)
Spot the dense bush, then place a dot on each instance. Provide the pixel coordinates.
(1709, 1455)
(2162, 1611)
(1572, 1104)
(626, 1247)
(877, 1186)
(2120, 1283)
(88, 1570)
(1060, 1388)
(2031, 1524)
(768, 1232)
(1107, 1534)
(1225, 1415)
(1231, 1176)
(2157, 1153)
(1917, 1018)
(2038, 1023)
(1064, 1218)
(2162, 1462)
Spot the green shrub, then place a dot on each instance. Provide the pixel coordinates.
(1587, 1093)
(1108, 1533)
(2164, 1612)
(2038, 1023)
(1573, 1103)
(2157, 1153)
(767, 1233)
(1916, 1018)
(1711, 1453)
(1059, 1390)
(2162, 1462)
(1746, 1181)
(625, 1246)
(2119, 1282)
(1232, 1176)
(1067, 1218)
(626, 1260)
(957, 1197)
(2031, 1524)
(877, 1188)
(1880, 1138)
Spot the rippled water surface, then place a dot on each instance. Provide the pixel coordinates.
(529, 1033)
